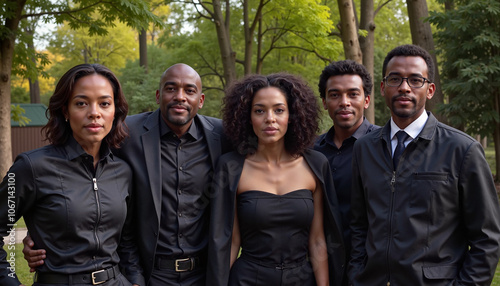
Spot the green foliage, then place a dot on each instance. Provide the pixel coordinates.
(19, 95)
(294, 38)
(139, 88)
(469, 41)
(16, 114)
(78, 14)
(28, 62)
(77, 47)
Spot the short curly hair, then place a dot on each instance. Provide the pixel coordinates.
(57, 131)
(302, 105)
(349, 67)
(411, 51)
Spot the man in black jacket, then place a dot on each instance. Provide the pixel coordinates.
(424, 206)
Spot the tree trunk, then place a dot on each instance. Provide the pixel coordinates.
(258, 68)
(227, 55)
(34, 90)
(247, 62)
(34, 85)
(7, 42)
(143, 50)
(249, 34)
(421, 35)
(367, 47)
(496, 138)
(349, 31)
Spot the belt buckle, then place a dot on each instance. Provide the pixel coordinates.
(177, 261)
(93, 277)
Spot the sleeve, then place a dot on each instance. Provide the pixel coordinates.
(127, 250)
(17, 195)
(333, 228)
(359, 221)
(481, 214)
(222, 208)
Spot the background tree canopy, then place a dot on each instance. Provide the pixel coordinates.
(224, 40)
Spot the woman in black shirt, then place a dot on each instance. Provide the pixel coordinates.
(74, 194)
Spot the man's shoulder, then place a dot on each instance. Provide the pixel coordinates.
(215, 122)
(373, 133)
(448, 131)
(372, 127)
(320, 140)
(138, 119)
(315, 156)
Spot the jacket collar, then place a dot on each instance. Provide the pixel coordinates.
(74, 150)
(427, 132)
(362, 130)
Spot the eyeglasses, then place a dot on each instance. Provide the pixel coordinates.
(413, 81)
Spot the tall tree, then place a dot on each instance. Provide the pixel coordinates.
(143, 49)
(367, 44)
(421, 35)
(79, 14)
(469, 43)
(161, 10)
(268, 25)
(76, 46)
(349, 31)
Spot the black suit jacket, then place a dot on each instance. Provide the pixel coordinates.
(143, 152)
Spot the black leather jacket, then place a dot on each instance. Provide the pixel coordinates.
(435, 220)
(77, 214)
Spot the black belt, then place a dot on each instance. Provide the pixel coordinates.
(178, 265)
(277, 266)
(94, 278)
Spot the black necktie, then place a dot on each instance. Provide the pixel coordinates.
(402, 136)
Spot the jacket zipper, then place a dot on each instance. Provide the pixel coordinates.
(393, 181)
(94, 180)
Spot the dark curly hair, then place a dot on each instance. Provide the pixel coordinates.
(302, 105)
(57, 131)
(411, 51)
(349, 67)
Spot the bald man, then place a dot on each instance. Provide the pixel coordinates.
(173, 152)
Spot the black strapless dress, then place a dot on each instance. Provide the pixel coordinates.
(274, 233)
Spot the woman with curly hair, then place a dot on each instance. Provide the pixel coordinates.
(273, 197)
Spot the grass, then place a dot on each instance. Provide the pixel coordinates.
(21, 266)
(496, 279)
(489, 152)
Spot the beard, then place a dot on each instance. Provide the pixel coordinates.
(179, 120)
(404, 112)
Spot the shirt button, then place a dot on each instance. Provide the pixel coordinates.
(180, 168)
(180, 214)
(180, 192)
(180, 235)
(180, 147)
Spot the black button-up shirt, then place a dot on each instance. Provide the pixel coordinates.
(340, 163)
(186, 170)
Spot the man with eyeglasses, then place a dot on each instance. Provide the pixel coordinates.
(424, 205)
